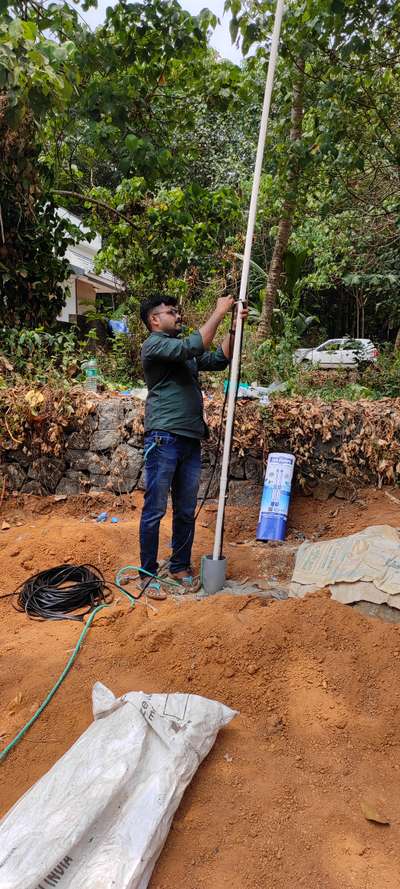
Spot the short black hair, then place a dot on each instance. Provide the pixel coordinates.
(147, 306)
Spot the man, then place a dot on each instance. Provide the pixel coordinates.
(174, 427)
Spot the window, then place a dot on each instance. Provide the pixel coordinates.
(353, 345)
(330, 346)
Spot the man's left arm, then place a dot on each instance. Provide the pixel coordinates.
(217, 360)
(220, 359)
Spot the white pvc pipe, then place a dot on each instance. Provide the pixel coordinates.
(235, 363)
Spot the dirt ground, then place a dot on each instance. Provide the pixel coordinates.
(279, 801)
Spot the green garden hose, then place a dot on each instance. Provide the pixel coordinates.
(71, 660)
(165, 580)
(51, 693)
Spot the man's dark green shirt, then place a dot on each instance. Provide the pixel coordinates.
(171, 367)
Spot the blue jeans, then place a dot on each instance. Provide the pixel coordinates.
(173, 464)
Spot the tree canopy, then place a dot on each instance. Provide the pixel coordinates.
(141, 129)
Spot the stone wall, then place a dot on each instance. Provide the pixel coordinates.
(337, 446)
(106, 454)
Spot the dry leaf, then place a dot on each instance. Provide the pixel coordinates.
(34, 399)
(5, 526)
(372, 813)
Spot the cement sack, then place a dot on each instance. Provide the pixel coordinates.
(99, 818)
(361, 567)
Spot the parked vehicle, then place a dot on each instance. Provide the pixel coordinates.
(343, 352)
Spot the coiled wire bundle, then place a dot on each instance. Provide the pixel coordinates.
(55, 593)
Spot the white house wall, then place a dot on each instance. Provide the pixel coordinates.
(94, 245)
(85, 282)
(69, 308)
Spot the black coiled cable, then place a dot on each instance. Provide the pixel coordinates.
(53, 594)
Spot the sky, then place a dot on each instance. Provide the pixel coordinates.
(220, 39)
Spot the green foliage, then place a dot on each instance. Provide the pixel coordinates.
(346, 218)
(374, 381)
(167, 234)
(46, 357)
(332, 389)
(31, 267)
(383, 378)
(118, 365)
(109, 105)
(155, 137)
(272, 360)
(40, 355)
(143, 71)
(121, 354)
(37, 75)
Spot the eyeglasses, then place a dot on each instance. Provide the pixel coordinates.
(168, 312)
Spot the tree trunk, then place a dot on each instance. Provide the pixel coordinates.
(361, 302)
(289, 205)
(397, 342)
(363, 319)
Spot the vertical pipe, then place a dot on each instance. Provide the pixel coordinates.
(235, 363)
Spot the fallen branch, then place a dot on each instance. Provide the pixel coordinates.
(2, 226)
(390, 496)
(17, 440)
(88, 199)
(3, 492)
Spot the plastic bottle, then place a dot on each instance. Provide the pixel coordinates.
(90, 368)
(275, 497)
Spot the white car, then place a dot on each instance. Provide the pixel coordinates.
(338, 353)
